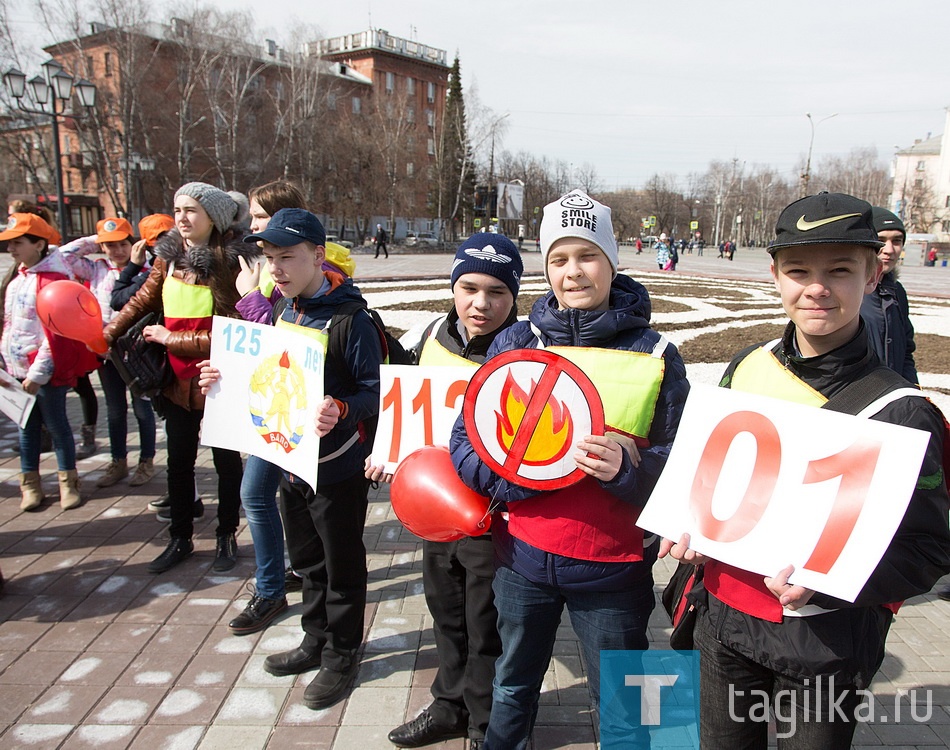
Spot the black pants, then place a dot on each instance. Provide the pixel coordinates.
(736, 693)
(183, 427)
(383, 246)
(87, 399)
(457, 577)
(325, 544)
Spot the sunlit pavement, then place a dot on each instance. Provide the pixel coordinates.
(95, 652)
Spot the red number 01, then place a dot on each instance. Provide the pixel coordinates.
(855, 465)
(422, 401)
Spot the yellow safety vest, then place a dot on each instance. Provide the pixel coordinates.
(762, 373)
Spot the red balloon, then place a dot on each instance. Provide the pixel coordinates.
(432, 502)
(71, 310)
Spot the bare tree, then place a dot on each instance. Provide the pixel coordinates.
(586, 178)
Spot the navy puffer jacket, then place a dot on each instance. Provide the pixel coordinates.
(626, 326)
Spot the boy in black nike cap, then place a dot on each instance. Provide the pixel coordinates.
(764, 643)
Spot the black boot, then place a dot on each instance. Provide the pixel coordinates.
(225, 553)
(179, 548)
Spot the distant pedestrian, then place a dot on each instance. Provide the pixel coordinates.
(639, 246)
(663, 254)
(382, 237)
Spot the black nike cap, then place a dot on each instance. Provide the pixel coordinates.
(825, 219)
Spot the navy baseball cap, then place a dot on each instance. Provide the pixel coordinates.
(291, 226)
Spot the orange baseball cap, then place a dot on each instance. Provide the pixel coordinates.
(153, 225)
(21, 224)
(113, 230)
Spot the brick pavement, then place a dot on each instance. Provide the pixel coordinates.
(96, 652)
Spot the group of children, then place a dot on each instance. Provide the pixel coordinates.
(497, 601)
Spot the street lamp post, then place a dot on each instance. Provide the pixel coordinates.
(57, 87)
(806, 175)
(135, 164)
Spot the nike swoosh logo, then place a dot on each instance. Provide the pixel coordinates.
(804, 226)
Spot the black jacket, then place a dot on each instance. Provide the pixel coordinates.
(447, 334)
(886, 314)
(849, 641)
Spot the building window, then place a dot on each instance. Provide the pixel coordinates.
(410, 168)
(331, 101)
(430, 118)
(357, 105)
(410, 85)
(946, 203)
(410, 114)
(430, 146)
(430, 92)
(919, 184)
(921, 165)
(946, 226)
(107, 63)
(390, 82)
(89, 69)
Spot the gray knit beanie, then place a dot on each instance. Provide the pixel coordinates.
(219, 205)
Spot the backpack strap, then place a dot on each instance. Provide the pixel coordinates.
(278, 310)
(339, 333)
(857, 397)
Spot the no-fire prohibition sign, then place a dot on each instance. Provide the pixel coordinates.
(524, 412)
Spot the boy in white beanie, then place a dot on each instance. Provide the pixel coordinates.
(580, 545)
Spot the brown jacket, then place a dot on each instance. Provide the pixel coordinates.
(193, 266)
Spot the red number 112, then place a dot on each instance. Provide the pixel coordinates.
(422, 401)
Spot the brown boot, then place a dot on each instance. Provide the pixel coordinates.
(116, 470)
(31, 490)
(69, 489)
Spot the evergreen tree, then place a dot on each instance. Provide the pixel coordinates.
(454, 162)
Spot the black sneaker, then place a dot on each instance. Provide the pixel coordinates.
(160, 502)
(292, 582)
(164, 515)
(225, 553)
(179, 548)
(257, 615)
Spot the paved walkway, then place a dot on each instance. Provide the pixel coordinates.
(95, 652)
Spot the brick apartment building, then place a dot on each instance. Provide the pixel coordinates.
(175, 106)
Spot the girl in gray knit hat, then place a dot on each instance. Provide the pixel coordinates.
(192, 279)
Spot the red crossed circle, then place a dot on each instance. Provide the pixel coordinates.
(555, 367)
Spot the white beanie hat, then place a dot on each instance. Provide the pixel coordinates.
(578, 215)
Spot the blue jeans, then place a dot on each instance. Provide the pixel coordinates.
(117, 408)
(49, 409)
(259, 498)
(528, 618)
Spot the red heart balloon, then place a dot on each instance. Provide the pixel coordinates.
(71, 310)
(432, 502)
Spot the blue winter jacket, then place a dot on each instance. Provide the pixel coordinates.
(626, 325)
(364, 355)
